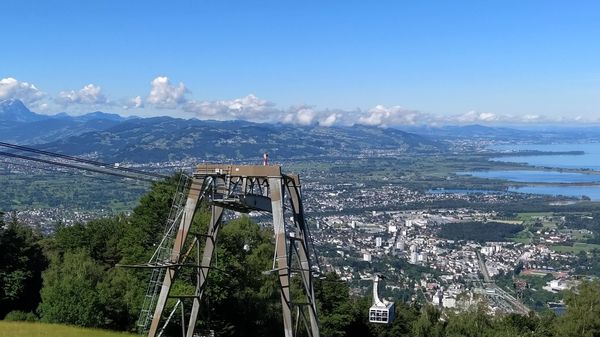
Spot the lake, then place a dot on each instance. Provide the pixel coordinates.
(524, 176)
(593, 192)
(459, 191)
(589, 160)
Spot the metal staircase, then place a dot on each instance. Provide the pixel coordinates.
(162, 254)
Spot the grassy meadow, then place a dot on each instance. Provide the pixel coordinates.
(34, 329)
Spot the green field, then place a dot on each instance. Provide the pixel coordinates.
(28, 329)
(524, 237)
(576, 248)
(533, 215)
(75, 191)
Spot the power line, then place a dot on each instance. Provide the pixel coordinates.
(102, 168)
(81, 160)
(69, 172)
(91, 169)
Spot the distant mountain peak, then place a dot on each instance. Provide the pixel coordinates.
(101, 115)
(12, 103)
(13, 110)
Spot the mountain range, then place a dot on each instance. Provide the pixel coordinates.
(115, 138)
(20, 125)
(119, 139)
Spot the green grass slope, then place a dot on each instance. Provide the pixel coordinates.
(29, 329)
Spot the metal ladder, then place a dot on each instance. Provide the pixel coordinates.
(162, 254)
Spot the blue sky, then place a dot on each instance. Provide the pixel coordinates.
(374, 62)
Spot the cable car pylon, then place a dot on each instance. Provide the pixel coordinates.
(241, 189)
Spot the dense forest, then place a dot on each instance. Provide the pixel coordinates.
(70, 277)
(479, 231)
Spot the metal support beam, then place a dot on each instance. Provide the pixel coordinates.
(301, 243)
(204, 265)
(281, 256)
(242, 188)
(186, 221)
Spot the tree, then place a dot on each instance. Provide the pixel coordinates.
(516, 325)
(583, 312)
(339, 314)
(428, 324)
(21, 263)
(240, 300)
(70, 294)
(144, 228)
(473, 323)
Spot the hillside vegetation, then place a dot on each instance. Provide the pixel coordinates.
(479, 231)
(35, 329)
(82, 287)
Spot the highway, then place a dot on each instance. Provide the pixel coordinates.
(492, 290)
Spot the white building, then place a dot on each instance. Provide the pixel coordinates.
(414, 258)
(400, 245)
(449, 302)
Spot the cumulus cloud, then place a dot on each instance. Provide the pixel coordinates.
(90, 94)
(396, 115)
(26, 92)
(474, 117)
(305, 116)
(301, 115)
(383, 116)
(134, 103)
(249, 108)
(329, 120)
(165, 95)
(254, 109)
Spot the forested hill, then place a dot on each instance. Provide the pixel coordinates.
(82, 287)
(165, 138)
(118, 139)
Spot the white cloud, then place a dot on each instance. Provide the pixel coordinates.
(474, 117)
(536, 118)
(329, 120)
(254, 109)
(167, 96)
(134, 103)
(305, 116)
(138, 102)
(249, 108)
(396, 115)
(26, 92)
(90, 94)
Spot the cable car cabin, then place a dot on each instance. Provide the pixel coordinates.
(384, 315)
(381, 311)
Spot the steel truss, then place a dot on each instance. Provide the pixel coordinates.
(241, 189)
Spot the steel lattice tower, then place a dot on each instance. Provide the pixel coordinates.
(241, 189)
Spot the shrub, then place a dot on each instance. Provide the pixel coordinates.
(17, 315)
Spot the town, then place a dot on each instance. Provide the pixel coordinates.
(370, 226)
